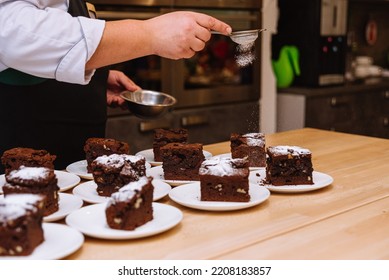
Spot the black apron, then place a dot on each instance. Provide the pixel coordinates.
(52, 115)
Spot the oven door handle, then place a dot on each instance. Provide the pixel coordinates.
(194, 120)
(116, 15)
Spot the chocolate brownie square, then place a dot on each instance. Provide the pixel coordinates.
(289, 165)
(224, 179)
(112, 172)
(14, 158)
(131, 206)
(182, 161)
(34, 180)
(166, 136)
(250, 146)
(20, 224)
(95, 147)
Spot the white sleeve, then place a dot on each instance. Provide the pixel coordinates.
(46, 41)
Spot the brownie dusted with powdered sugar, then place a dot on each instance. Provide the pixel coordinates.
(251, 146)
(131, 206)
(289, 165)
(224, 179)
(112, 172)
(20, 224)
(95, 147)
(34, 180)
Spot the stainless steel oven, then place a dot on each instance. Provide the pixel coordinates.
(215, 96)
(213, 75)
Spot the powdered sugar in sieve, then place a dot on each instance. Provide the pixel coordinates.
(245, 49)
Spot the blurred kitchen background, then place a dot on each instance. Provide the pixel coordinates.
(343, 84)
(321, 63)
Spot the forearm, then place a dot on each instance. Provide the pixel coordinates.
(122, 40)
(173, 35)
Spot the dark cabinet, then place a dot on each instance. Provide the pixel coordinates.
(358, 110)
(333, 112)
(378, 115)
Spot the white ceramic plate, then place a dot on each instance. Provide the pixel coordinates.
(66, 180)
(60, 241)
(189, 195)
(320, 180)
(2, 182)
(149, 155)
(67, 204)
(91, 221)
(228, 155)
(80, 168)
(87, 191)
(157, 173)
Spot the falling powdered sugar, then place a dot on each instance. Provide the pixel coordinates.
(245, 40)
(245, 54)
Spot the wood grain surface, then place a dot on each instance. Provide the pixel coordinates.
(347, 220)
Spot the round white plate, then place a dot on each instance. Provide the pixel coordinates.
(228, 155)
(60, 241)
(320, 180)
(189, 196)
(2, 182)
(149, 155)
(87, 191)
(67, 204)
(80, 168)
(157, 173)
(91, 221)
(66, 180)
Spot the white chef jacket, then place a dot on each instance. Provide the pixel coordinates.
(40, 38)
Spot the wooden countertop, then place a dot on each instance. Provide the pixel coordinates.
(346, 220)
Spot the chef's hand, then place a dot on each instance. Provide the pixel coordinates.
(180, 34)
(116, 83)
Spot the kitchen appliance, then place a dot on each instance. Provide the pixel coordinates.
(318, 29)
(214, 96)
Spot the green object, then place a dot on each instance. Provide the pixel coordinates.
(287, 66)
(14, 77)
